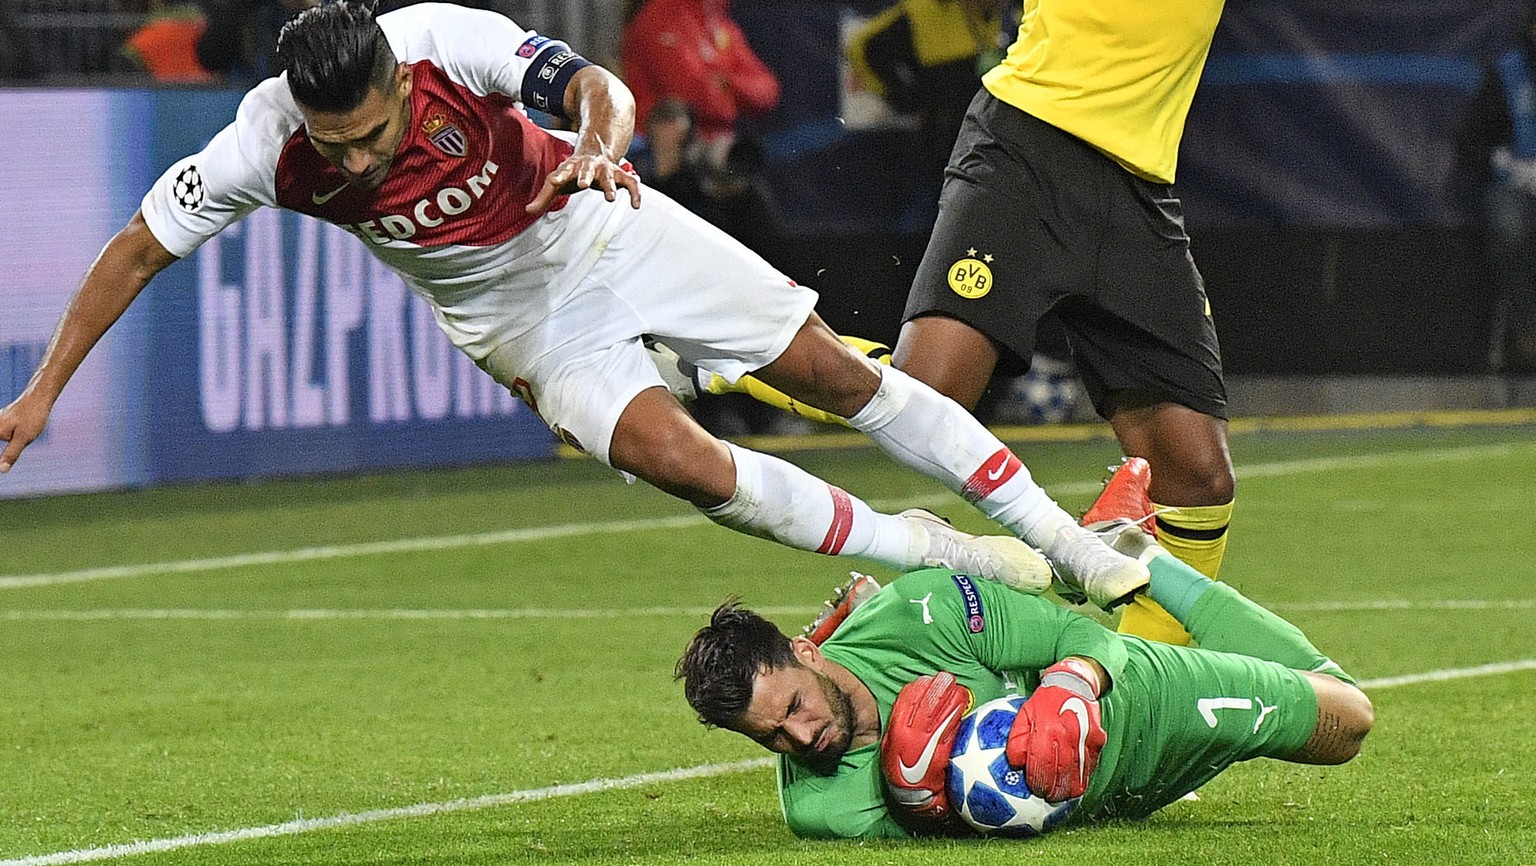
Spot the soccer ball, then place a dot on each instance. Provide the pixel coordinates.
(1049, 393)
(988, 793)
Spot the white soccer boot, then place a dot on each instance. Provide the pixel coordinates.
(1087, 568)
(1001, 558)
(1128, 537)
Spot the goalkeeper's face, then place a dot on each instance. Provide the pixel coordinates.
(798, 711)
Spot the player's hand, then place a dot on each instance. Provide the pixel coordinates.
(915, 748)
(1056, 737)
(20, 423)
(581, 171)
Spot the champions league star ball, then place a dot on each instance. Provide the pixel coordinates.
(988, 793)
(1049, 393)
(188, 189)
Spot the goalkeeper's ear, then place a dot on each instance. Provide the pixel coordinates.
(918, 739)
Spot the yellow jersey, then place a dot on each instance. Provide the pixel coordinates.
(1118, 74)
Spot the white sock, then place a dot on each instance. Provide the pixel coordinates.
(779, 501)
(936, 436)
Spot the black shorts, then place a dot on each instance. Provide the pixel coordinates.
(1035, 221)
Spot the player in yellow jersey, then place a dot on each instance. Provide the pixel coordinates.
(1057, 199)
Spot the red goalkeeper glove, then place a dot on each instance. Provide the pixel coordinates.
(914, 750)
(1056, 737)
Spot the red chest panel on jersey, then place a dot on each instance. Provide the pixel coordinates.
(465, 169)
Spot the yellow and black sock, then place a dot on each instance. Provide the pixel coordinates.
(1197, 535)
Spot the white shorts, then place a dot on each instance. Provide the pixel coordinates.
(665, 273)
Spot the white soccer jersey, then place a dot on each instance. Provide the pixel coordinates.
(449, 216)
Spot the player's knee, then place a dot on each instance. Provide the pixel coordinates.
(1197, 479)
(1187, 450)
(840, 381)
(1212, 478)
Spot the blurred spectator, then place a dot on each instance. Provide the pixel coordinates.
(165, 46)
(241, 40)
(695, 78)
(665, 161)
(925, 58)
(671, 159)
(694, 51)
(1497, 147)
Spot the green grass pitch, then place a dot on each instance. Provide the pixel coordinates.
(525, 658)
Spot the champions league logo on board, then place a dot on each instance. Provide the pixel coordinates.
(445, 136)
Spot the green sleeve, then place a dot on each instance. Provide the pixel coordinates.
(848, 805)
(1007, 630)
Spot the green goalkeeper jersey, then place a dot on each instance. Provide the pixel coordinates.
(1188, 712)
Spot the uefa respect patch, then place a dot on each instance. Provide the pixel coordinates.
(531, 46)
(974, 618)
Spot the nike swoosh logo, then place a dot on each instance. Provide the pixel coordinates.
(993, 476)
(1079, 709)
(317, 198)
(914, 774)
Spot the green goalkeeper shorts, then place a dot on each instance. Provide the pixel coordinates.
(1178, 716)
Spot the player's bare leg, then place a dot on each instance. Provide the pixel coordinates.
(687, 382)
(1224, 620)
(960, 372)
(656, 440)
(932, 434)
(952, 357)
(1192, 487)
(1187, 450)
(820, 369)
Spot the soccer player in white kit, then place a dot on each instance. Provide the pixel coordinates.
(408, 131)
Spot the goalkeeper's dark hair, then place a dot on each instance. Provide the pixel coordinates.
(334, 55)
(724, 658)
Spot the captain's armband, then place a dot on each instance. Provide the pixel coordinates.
(550, 70)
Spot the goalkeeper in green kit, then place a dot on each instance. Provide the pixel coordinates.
(863, 711)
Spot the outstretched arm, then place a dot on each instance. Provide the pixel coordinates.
(604, 111)
(126, 265)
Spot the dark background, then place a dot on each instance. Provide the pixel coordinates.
(1317, 173)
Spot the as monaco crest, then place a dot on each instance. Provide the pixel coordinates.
(445, 136)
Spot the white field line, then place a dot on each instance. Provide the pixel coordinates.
(420, 810)
(1370, 604)
(568, 530)
(342, 551)
(1487, 670)
(1390, 458)
(302, 614)
(313, 614)
(348, 819)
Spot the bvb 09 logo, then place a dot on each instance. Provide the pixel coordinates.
(970, 278)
